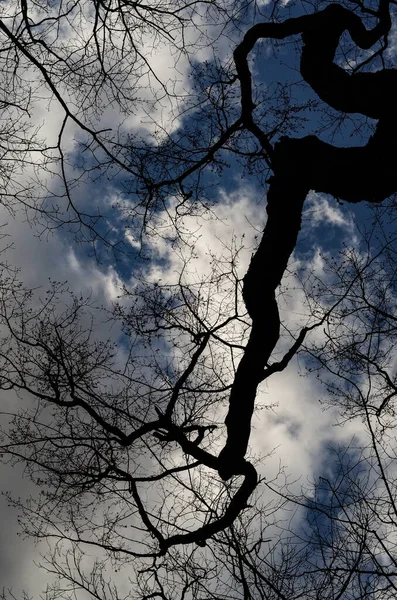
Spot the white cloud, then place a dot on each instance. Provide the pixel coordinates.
(320, 210)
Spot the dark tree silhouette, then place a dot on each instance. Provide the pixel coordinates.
(107, 432)
(301, 165)
(81, 61)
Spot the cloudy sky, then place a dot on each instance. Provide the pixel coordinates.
(291, 428)
(285, 432)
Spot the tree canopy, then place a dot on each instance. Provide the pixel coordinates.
(132, 413)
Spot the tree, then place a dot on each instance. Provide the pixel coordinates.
(88, 63)
(125, 441)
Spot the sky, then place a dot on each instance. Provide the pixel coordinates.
(291, 427)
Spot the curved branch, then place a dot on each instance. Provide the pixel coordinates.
(321, 33)
(237, 504)
(300, 165)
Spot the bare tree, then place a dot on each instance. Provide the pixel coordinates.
(125, 442)
(90, 69)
